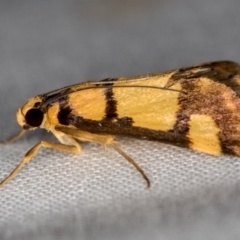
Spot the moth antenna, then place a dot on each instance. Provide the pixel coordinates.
(133, 163)
(14, 137)
(45, 104)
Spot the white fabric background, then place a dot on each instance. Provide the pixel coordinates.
(97, 195)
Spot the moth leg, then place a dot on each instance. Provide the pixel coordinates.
(130, 160)
(104, 140)
(73, 148)
(86, 136)
(14, 138)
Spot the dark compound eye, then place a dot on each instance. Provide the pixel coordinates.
(34, 117)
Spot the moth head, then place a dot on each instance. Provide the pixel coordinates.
(30, 116)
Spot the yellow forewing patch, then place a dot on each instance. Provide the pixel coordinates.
(82, 104)
(203, 134)
(160, 80)
(149, 108)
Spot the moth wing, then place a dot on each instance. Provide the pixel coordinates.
(196, 107)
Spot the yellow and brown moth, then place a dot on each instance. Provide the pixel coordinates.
(196, 107)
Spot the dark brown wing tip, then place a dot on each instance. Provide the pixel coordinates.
(226, 66)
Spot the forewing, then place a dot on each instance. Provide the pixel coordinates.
(196, 107)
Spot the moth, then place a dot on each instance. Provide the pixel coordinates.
(196, 107)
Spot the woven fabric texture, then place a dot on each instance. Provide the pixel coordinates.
(98, 194)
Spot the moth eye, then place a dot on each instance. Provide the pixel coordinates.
(34, 117)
